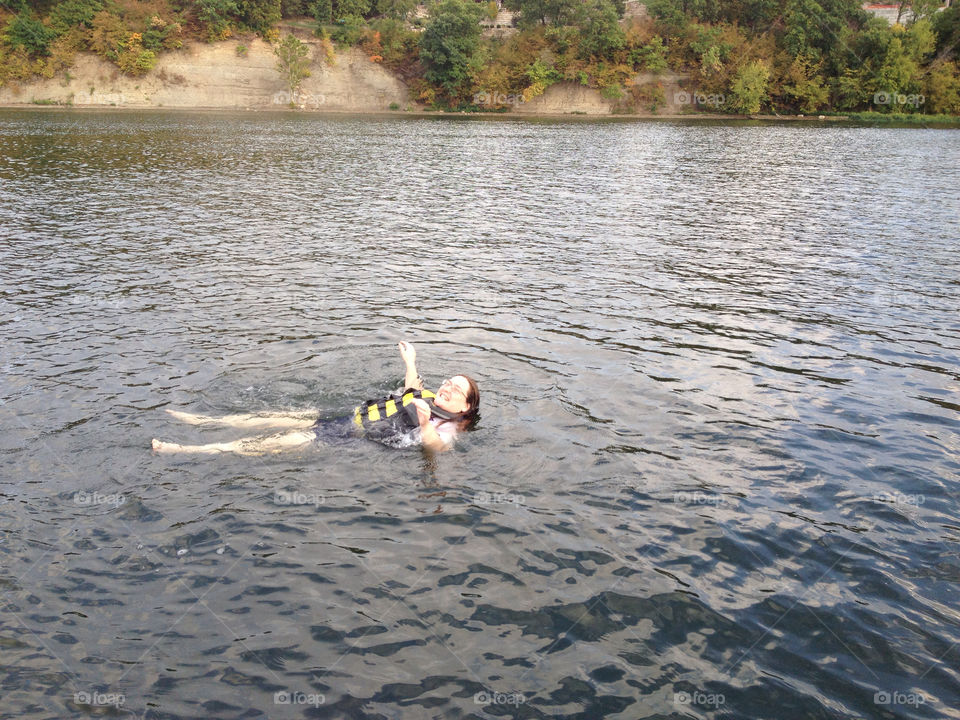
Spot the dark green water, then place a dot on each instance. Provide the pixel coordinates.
(715, 473)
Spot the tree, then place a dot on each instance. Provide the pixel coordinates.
(350, 8)
(293, 63)
(259, 15)
(600, 31)
(449, 42)
(942, 88)
(321, 10)
(817, 27)
(749, 88)
(215, 15)
(652, 56)
(556, 13)
(394, 9)
(946, 24)
(70, 13)
(25, 31)
(803, 85)
(918, 9)
(899, 71)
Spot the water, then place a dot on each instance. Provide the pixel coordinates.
(715, 473)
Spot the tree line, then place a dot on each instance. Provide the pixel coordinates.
(745, 56)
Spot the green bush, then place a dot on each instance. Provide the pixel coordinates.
(216, 16)
(136, 61)
(321, 11)
(293, 63)
(259, 15)
(749, 88)
(652, 56)
(600, 31)
(350, 8)
(449, 43)
(348, 30)
(25, 31)
(398, 43)
(394, 9)
(612, 92)
(70, 13)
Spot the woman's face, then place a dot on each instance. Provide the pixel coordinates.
(452, 395)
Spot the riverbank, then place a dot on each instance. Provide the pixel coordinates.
(237, 74)
(241, 74)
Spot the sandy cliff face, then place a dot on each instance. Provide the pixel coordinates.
(571, 97)
(216, 76)
(565, 97)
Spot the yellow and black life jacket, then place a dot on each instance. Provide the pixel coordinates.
(400, 408)
(394, 415)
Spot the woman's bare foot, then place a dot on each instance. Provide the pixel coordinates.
(161, 446)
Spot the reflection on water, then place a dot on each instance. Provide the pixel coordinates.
(715, 472)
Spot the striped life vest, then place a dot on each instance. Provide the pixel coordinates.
(394, 416)
(400, 409)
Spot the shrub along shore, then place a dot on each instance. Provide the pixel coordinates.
(749, 57)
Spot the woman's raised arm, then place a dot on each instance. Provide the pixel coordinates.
(409, 355)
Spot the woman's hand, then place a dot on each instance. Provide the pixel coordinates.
(423, 412)
(407, 352)
(412, 377)
(428, 433)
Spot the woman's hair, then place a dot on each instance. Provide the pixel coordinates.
(473, 398)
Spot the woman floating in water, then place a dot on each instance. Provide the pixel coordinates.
(416, 415)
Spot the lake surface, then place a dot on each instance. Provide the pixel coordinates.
(715, 473)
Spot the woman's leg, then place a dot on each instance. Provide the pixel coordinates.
(302, 419)
(243, 446)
